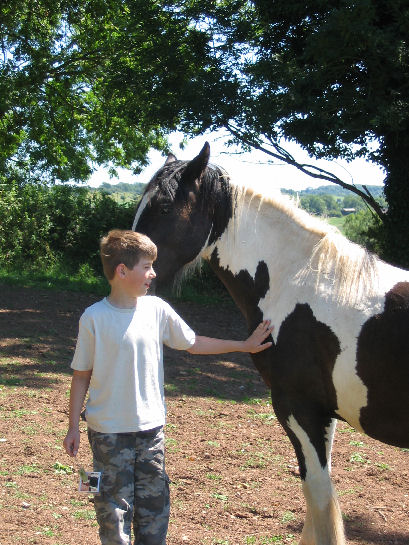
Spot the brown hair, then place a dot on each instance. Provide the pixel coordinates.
(127, 247)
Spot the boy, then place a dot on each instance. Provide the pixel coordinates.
(119, 358)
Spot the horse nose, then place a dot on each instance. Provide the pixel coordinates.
(152, 288)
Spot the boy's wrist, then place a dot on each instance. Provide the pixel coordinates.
(73, 428)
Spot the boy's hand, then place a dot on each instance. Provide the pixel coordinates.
(72, 442)
(254, 343)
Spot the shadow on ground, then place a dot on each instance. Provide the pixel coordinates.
(38, 330)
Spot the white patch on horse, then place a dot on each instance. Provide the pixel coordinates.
(322, 503)
(316, 475)
(142, 205)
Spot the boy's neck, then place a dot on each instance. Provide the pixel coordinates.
(121, 300)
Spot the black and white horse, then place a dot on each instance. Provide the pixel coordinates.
(341, 316)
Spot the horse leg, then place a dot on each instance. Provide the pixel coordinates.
(323, 524)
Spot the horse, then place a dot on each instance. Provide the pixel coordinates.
(341, 339)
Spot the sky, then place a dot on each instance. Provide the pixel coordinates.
(250, 167)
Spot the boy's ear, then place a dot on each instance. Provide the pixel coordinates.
(120, 270)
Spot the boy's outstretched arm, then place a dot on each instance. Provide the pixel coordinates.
(79, 387)
(254, 344)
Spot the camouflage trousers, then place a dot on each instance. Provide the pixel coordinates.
(134, 487)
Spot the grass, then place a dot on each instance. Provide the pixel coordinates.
(358, 458)
(55, 278)
(287, 539)
(203, 288)
(63, 469)
(84, 514)
(214, 476)
(337, 222)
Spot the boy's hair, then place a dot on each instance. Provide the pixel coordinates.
(127, 247)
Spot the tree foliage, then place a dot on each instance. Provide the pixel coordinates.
(44, 225)
(365, 229)
(94, 82)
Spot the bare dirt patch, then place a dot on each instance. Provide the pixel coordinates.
(233, 471)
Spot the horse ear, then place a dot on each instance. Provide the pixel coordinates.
(171, 159)
(197, 166)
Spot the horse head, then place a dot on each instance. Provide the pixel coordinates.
(181, 210)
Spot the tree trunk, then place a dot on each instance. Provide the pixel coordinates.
(396, 161)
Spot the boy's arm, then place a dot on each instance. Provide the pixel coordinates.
(254, 344)
(79, 387)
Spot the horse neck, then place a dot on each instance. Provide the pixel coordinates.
(262, 245)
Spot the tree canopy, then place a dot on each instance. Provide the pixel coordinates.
(93, 82)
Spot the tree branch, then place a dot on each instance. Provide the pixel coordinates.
(311, 170)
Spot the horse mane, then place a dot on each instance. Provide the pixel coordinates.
(350, 269)
(218, 195)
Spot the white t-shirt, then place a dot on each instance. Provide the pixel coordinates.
(124, 349)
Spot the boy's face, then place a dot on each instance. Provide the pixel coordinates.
(139, 278)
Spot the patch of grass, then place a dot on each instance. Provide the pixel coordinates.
(337, 222)
(349, 491)
(84, 515)
(346, 429)
(20, 413)
(171, 389)
(214, 476)
(171, 445)
(266, 402)
(221, 497)
(46, 531)
(356, 443)
(288, 539)
(266, 417)
(202, 288)
(55, 278)
(254, 461)
(358, 458)
(77, 503)
(10, 380)
(384, 466)
(63, 469)
(288, 516)
(28, 469)
(30, 430)
(204, 412)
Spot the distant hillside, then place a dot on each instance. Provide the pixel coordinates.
(335, 190)
(136, 189)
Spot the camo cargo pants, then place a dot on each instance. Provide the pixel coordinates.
(134, 487)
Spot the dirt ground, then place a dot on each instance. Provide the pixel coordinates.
(233, 471)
